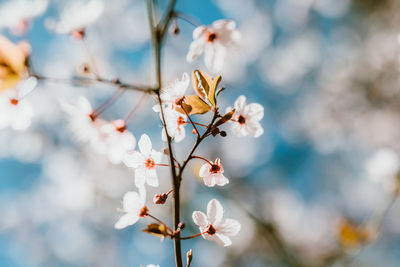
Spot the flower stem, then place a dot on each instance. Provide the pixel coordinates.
(192, 236)
(157, 38)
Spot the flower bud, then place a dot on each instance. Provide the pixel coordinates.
(160, 198)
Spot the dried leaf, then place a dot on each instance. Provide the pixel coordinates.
(205, 86)
(224, 119)
(156, 229)
(194, 105)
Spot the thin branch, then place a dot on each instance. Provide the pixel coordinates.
(84, 81)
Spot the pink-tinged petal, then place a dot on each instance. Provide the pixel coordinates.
(200, 218)
(134, 159)
(254, 129)
(145, 145)
(140, 177)
(237, 129)
(152, 178)
(209, 180)
(126, 220)
(228, 227)
(221, 180)
(198, 32)
(131, 202)
(255, 111)
(196, 48)
(204, 170)
(215, 211)
(224, 24)
(240, 103)
(214, 57)
(222, 240)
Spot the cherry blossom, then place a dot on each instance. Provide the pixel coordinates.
(246, 119)
(144, 162)
(133, 205)
(76, 17)
(213, 227)
(175, 91)
(214, 41)
(213, 174)
(14, 112)
(116, 141)
(175, 122)
(17, 14)
(83, 122)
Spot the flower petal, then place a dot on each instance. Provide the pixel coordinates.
(196, 48)
(200, 218)
(131, 202)
(126, 220)
(204, 170)
(215, 211)
(134, 159)
(228, 227)
(140, 177)
(152, 178)
(222, 240)
(221, 180)
(214, 57)
(145, 145)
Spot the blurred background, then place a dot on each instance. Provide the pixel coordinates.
(318, 188)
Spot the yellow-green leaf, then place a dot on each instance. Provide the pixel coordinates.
(156, 229)
(205, 86)
(193, 104)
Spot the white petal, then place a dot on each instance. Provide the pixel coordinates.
(180, 135)
(134, 159)
(198, 32)
(228, 227)
(214, 57)
(140, 177)
(131, 202)
(255, 111)
(240, 103)
(220, 179)
(126, 220)
(209, 180)
(214, 211)
(145, 145)
(222, 240)
(156, 156)
(196, 48)
(200, 218)
(204, 170)
(152, 178)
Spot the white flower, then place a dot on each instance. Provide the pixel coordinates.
(16, 14)
(213, 174)
(175, 91)
(77, 16)
(246, 119)
(144, 162)
(213, 227)
(214, 41)
(133, 204)
(83, 122)
(14, 112)
(175, 122)
(152, 265)
(116, 141)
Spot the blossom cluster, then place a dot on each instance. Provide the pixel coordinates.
(113, 139)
